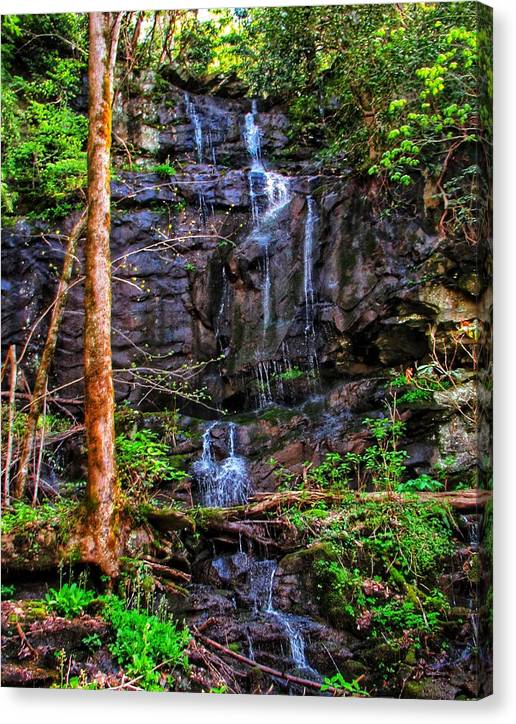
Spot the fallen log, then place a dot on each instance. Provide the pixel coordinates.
(460, 500)
(300, 681)
(169, 519)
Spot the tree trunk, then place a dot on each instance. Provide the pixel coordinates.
(101, 542)
(40, 384)
(13, 369)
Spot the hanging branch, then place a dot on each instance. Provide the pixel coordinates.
(39, 391)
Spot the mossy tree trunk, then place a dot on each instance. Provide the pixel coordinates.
(102, 540)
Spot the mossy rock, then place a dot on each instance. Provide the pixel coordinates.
(277, 415)
(429, 688)
(27, 610)
(303, 559)
(383, 653)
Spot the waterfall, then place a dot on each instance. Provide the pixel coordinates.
(268, 192)
(205, 469)
(261, 583)
(252, 135)
(263, 383)
(308, 287)
(308, 250)
(250, 649)
(191, 112)
(225, 483)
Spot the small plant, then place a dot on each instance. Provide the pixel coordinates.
(287, 479)
(7, 591)
(339, 682)
(92, 642)
(423, 483)
(70, 600)
(60, 655)
(165, 170)
(333, 472)
(190, 266)
(219, 689)
(293, 373)
(384, 460)
(80, 682)
(143, 644)
(143, 461)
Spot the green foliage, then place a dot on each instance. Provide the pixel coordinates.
(345, 586)
(395, 616)
(333, 472)
(384, 460)
(21, 517)
(165, 170)
(143, 644)
(223, 689)
(293, 373)
(70, 600)
(92, 642)
(143, 461)
(338, 682)
(79, 682)
(422, 483)
(7, 591)
(381, 565)
(43, 155)
(419, 384)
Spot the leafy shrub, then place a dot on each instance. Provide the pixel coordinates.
(143, 643)
(164, 170)
(21, 515)
(384, 460)
(7, 591)
(92, 642)
(333, 472)
(422, 483)
(395, 616)
(70, 600)
(143, 461)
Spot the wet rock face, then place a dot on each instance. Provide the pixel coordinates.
(191, 270)
(160, 123)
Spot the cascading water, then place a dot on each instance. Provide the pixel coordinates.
(252, 134)
(200, 143)
(269, 193)
(261, 583)
(191, 112)
(308, 250)
(308, 286)
(224, 483)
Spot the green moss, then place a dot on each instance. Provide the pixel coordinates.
(207, 518)
(475, 569)
(277, 415)
(298, 561)
(26, 520)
